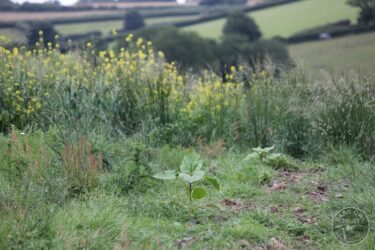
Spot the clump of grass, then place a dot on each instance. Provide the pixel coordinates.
(81, 167)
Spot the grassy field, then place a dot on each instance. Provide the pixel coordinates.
(106, 27)
(340, 55)
(105, 150)
(257, 206)
(287, 19)
(13, 34)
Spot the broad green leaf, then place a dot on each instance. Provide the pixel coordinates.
(198, 193)
(251, 156)
(190, 163)
(275, 155)
(269, 149)
(257, 149)
(263, 150)
(212, 181)
(197, 176)
(166, 175)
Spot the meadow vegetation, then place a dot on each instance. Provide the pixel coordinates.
(87, 136)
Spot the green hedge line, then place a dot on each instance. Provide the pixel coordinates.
(334, 32)
(225, 14)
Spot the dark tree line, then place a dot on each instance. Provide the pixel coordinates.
(241, 43)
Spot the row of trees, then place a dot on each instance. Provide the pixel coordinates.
(241, 43)
(7, 5)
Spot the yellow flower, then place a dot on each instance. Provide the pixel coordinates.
(15, 51)
(139, 41)
(111, 54)
(217, 85)
(102, 54)
(161, 54)
(141, 55)
(129, 37)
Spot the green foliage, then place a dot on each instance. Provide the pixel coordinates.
(264, 176)
(240, 24)
(191, 51)
(133, 21)
(190, 172)
(132, 170)
(235, 49)
(259, 153)
(42, 33)
(187, 49)
(279, 161)
(198, 193)
(367, 14)
(80, 166)
(35, 215)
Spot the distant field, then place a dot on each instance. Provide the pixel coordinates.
(106, 27)
(340, 55)
(75, 28)
(22, 16)
(288, 19)
(14, 35)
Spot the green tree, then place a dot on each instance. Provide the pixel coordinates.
(188, 49)
(236, 49)
(241, 24)
(41, 30)
(133, 21)
(367, 14)
(7, 5)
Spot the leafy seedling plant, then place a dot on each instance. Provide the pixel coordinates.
(262, 176)
(192, 174)
(259, 153)
(275, 160)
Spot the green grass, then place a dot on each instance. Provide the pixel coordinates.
(340, 55)
(13, 34)
(155, 214)
(288, 19)
(106, 27)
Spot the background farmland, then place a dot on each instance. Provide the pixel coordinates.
(288, 19)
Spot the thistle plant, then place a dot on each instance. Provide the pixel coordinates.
(192, 174)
